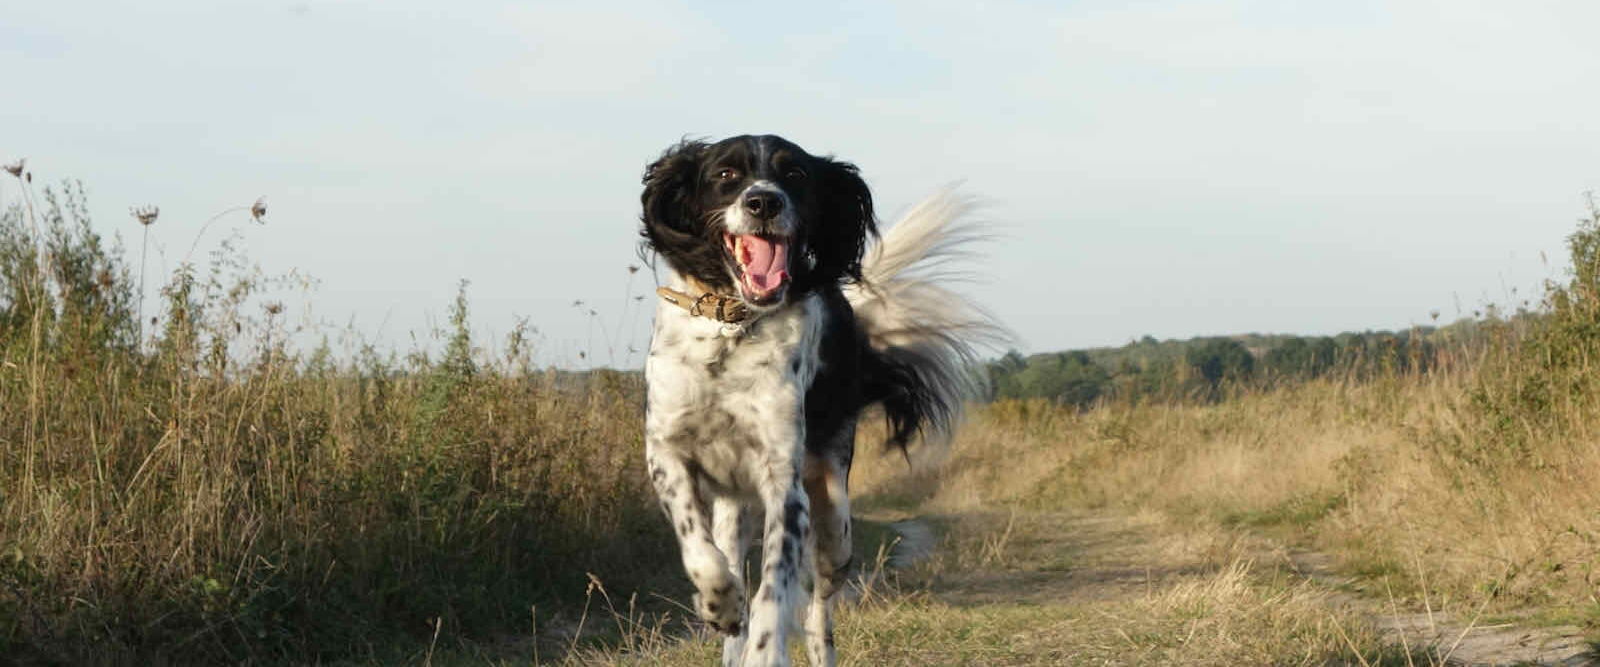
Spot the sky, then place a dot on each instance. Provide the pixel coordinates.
(1157, 168)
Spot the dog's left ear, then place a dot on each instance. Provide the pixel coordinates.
(841, 237)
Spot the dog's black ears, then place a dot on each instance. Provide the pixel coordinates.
(669, 185)
(842, 237)
(672, 226)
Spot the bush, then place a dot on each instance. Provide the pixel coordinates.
(1539, 387)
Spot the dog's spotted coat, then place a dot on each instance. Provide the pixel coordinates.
(752, 424)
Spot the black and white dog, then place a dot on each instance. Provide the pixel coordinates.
(773, 335)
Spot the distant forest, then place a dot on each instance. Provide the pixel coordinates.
(1202, 368)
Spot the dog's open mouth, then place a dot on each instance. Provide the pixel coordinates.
(763, 265)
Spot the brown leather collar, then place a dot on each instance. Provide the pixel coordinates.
(720, 307)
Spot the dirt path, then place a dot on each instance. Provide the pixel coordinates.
(1044, 588)
(1460, 635)
(1061, 559)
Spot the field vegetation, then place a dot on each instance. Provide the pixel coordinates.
(181, 483)
(207, 493)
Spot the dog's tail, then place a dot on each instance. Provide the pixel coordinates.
(921, 361)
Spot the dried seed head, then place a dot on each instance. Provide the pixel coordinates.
(258, 210)
(274, 307)
(633, 268)
(15, 168)
(146, 215)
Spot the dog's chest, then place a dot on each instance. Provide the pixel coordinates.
(724, 401)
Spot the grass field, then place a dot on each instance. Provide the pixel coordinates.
(1327, 523)
(191, 488)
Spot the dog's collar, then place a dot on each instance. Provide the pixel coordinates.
(720, 307)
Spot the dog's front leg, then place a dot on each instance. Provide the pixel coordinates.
(784, 555)
(731, 530)
(720, 593)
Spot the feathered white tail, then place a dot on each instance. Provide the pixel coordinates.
(924, 337)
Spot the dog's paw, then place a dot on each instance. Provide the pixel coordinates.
(721, 606)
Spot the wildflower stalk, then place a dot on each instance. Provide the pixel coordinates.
(146, 216)
(258, 212)
(144, 250)
(35, 290)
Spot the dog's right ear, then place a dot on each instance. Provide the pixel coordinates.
(669, 187)
(674, 227)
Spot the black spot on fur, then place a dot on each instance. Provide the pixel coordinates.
(791, 550)
(761, 644)
(794, 514)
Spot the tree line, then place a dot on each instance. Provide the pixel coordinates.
(1203, 368)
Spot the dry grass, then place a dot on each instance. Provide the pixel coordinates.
(211, 494)
(1381, 474)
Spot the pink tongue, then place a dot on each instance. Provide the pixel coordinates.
(766, 262)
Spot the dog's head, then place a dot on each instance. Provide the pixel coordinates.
(757, 216)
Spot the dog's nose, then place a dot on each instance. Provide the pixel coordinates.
(763, 205)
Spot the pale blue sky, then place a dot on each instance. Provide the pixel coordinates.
(1164, 168)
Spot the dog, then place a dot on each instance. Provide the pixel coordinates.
(777, 327)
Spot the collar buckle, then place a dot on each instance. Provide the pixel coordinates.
(710, 305)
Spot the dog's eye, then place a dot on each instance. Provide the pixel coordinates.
(727, 174)
(795, 174)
